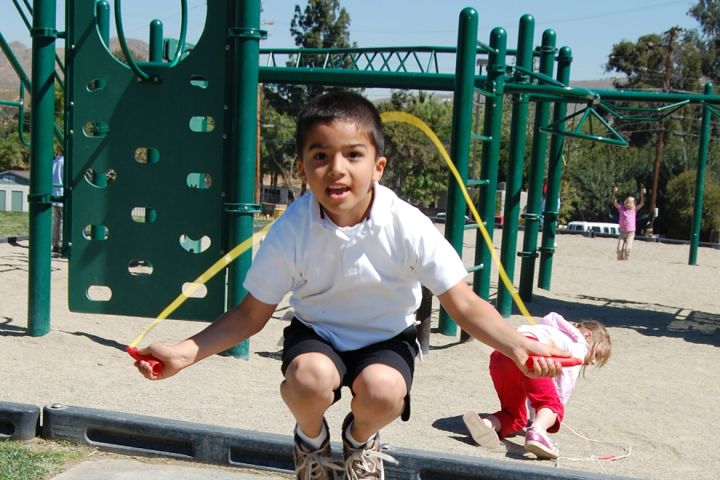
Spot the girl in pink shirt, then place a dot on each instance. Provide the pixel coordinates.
(627, 211)
(588, 340)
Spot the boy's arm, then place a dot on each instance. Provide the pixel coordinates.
(229, 329)
(480, 319)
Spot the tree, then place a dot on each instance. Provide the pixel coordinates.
(644, 62)
(640, 61)
(681, 193)
(321, 24)
(59, 116)
(416, 170)
(668, 61)
(13, 155)
(707, 14)
(277, 148)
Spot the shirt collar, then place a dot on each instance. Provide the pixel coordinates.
(380, 213)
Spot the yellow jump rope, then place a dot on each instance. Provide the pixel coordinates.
(415, 121)
(221, 264)
(248, 243)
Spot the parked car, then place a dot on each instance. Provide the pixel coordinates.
(441, 216)
(595, 227)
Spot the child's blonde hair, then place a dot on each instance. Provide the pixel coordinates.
(599, 343)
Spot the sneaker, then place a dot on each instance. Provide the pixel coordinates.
(539, 443)
(365, 462)
(314, 464)
(479, 431)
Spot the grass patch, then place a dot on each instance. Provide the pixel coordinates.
(37, 459)
(14, 224)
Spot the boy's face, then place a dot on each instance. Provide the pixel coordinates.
(630, 203)
(338, 162)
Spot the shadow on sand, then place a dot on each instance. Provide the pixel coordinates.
(648, 319)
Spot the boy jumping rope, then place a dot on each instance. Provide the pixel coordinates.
(354, 256)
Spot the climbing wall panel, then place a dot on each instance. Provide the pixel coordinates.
(146, 173)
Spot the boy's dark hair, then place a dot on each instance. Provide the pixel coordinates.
(345, 106)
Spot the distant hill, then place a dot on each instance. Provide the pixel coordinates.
(9, 81)
(602, 84)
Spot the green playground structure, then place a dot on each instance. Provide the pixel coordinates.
(160, 155)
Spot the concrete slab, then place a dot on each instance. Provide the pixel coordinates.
(132, 469)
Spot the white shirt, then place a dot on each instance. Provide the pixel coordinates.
(356, 285)
(57, 179)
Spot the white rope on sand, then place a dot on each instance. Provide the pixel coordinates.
(599, 459)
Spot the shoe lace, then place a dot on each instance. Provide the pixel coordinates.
(365, 463)
(315, 464)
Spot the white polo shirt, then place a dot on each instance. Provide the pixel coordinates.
(357, 285)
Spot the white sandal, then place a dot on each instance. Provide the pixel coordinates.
(483, 435)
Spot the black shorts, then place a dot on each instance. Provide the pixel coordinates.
(398, 352)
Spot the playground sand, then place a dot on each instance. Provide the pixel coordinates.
(652, 402)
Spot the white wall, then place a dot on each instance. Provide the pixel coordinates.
(14, 196)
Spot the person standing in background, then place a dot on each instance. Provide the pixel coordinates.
(627, 212)
(57, 205)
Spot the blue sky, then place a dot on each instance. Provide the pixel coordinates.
(590, 28)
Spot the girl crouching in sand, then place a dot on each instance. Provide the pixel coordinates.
(588, 340)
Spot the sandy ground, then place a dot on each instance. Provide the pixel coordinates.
(651, 404)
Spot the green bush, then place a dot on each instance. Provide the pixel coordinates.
(681, 198)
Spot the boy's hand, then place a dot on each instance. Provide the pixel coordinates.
(542, 366)
(643, 191)
(168, 355)
(614, 190)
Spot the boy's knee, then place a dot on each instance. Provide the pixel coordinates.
(380, 385)
(312, 373)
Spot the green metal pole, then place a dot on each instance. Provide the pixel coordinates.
(537, 169)
(460, 140)
(518, 136)
(700, 178)
(102, 15)
(156, 41)
(555, 165)
(41, 155)
(244, 131)
(495, 84)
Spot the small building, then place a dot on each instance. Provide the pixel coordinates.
(282, 195)
(14, 190)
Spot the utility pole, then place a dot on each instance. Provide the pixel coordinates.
(661, 130)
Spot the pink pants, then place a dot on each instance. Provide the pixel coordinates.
(514, 389)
